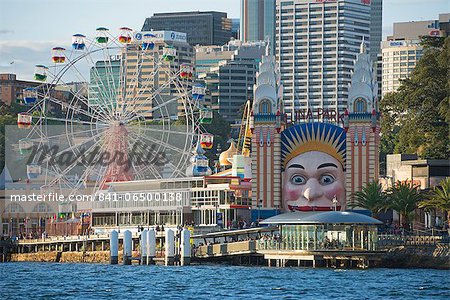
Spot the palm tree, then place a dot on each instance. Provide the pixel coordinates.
(439, 198)
(371, 197)
(404, 197)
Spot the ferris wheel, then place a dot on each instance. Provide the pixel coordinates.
(112, 108)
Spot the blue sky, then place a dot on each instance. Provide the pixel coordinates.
(29, 28)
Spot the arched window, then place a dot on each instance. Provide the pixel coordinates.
(360, 105)
(42, 207)
(265, 107)
(14, 208)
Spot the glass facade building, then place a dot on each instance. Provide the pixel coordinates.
(258, 21)
(202, 28)
(323, 231)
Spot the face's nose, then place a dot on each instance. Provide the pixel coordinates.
(313, 190)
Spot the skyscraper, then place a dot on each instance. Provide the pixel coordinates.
(258, 21)
(316, 45)
(229, 74)
(399, 59)
(201, 27)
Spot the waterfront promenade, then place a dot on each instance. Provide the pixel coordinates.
(255, 246)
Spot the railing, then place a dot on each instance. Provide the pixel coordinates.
(309, 246)
(391, 240)
(226, 248)
(73, 238)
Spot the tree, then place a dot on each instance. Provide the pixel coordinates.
(439, 198)
(371, 197)
(8, 116)
(404, 197)
(415, 118)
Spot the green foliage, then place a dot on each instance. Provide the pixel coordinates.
(404, 198)
(220, 128)
(371, 197)
(439, 197)
(8, 116)
(415, 118)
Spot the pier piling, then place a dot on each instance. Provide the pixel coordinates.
(151, 243)
(170, 248)
(144, 247)
(114, 247)
(185, 247)
(127, 247)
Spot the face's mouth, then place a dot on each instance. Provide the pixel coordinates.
(312, 208)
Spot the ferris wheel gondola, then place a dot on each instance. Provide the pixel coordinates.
(147, 41)
(30, 96)
(126, 34)
(198, 92)
(40, 72)
(78, 41)
(58, 56)
(102, 35)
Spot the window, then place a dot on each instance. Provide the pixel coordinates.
(265, 107)
(360, 105)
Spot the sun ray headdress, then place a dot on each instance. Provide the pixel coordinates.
(324, 137)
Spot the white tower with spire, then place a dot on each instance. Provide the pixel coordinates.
(361, 121)
(267, 122)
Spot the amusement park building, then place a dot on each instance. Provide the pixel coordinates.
(316, 45)
(215, 26)
(229, 74)
(18, 217)
(206, 201)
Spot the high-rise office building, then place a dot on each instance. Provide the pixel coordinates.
(201, 27)
(258, 21)
(104, 82)
(376, 28)
(398, 61)
(229, 74)
(316, 46)
(144, 80)
(138, 80)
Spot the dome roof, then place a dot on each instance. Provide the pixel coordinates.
(226, 156)
(329, 217)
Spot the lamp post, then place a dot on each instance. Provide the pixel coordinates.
(259, 210)
(335, 202)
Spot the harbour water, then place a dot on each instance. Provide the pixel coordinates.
(97, 281)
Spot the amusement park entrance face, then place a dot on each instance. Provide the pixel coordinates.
(311, 181)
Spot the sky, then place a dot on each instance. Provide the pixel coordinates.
(30, 28)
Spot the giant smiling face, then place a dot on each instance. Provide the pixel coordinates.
(311, 181)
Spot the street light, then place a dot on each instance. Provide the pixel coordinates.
(259, 209)
(335, 202)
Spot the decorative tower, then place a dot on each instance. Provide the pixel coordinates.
(266, 123)
(361, 121)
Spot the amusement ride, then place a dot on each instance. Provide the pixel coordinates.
(136, 107)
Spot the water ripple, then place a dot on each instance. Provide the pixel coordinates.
(96, 281)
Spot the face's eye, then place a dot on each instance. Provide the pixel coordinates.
(326, 179)
(297, 179)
